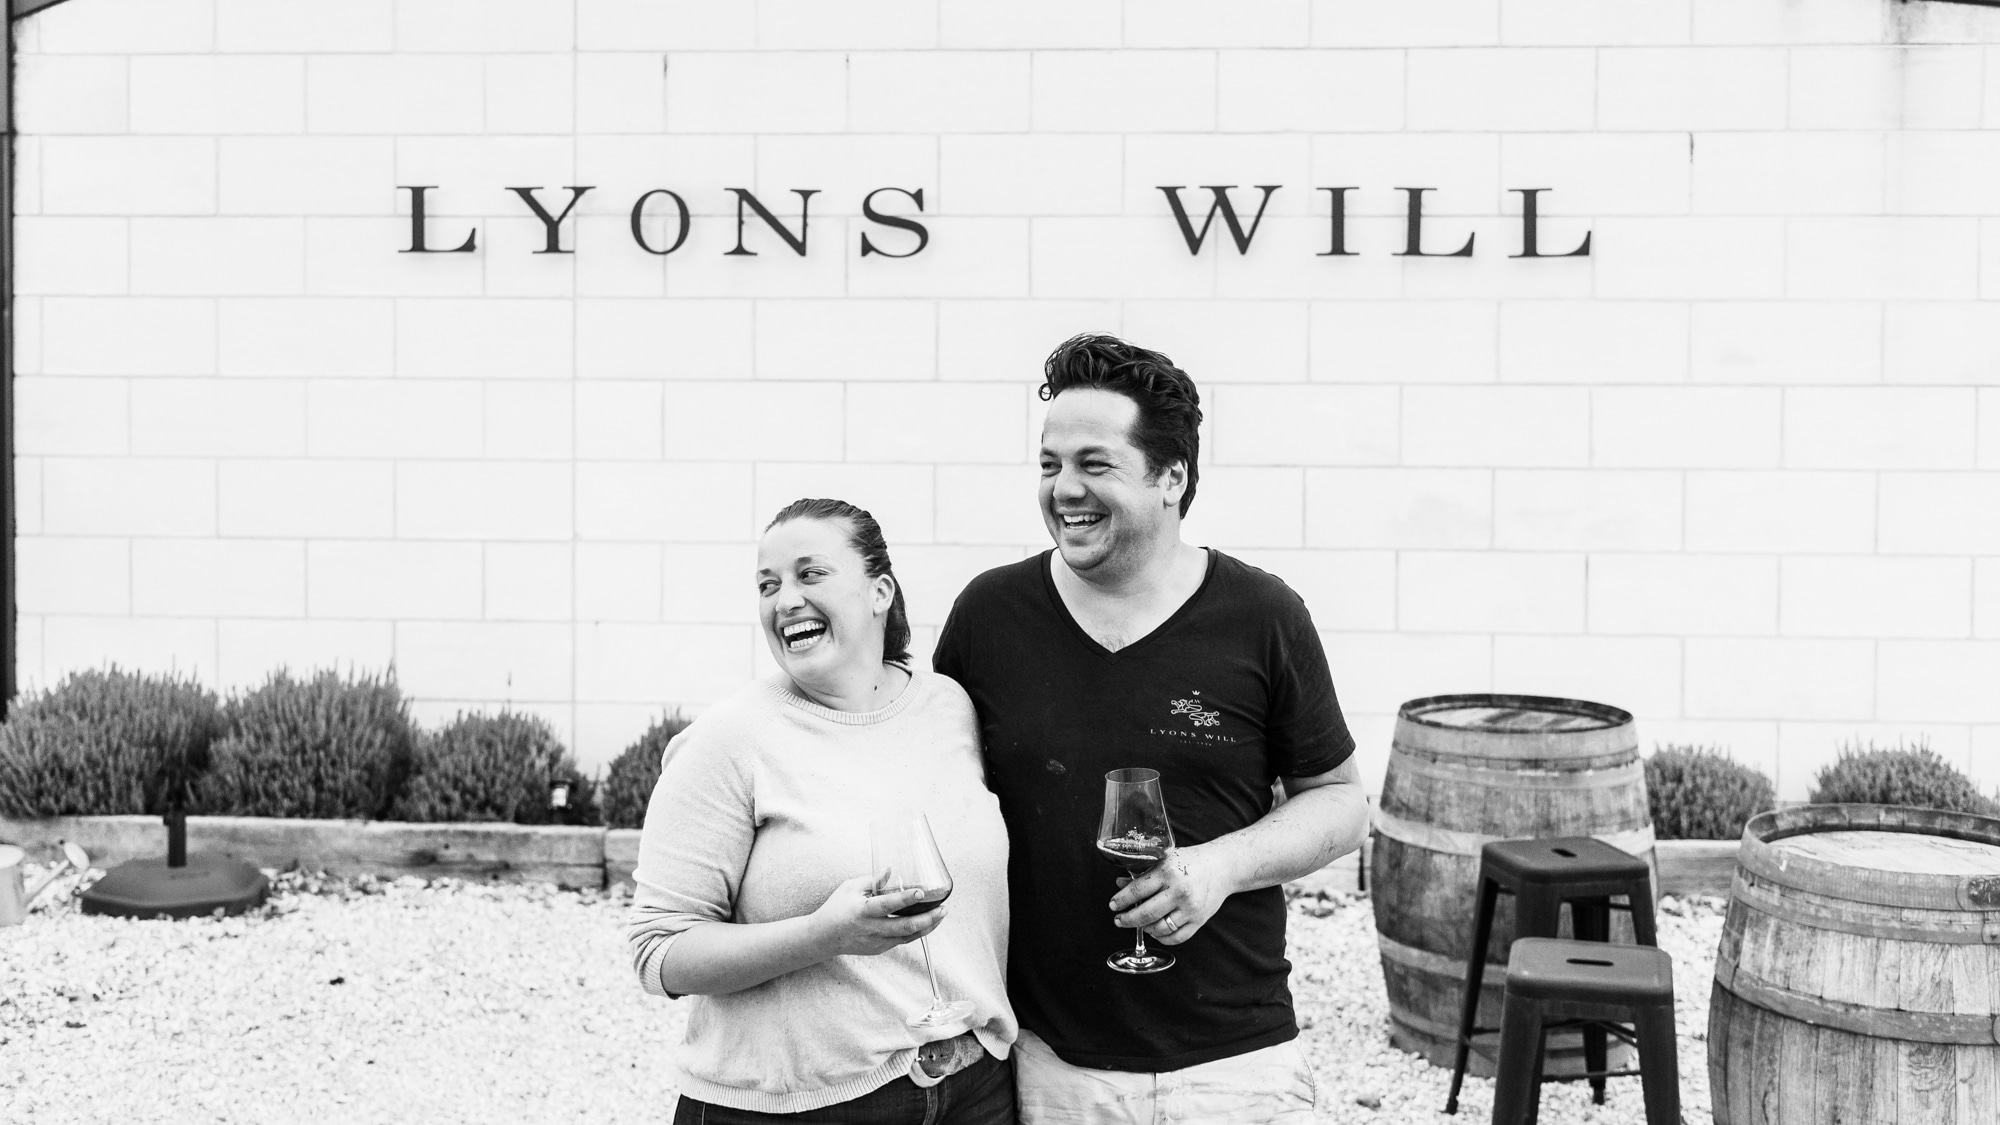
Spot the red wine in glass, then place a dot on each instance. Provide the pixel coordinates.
(903, 855)
(1133, 835)
(1132, 855)
(932, 898)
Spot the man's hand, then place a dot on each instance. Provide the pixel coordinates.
(1173, 898)
(1326, 816)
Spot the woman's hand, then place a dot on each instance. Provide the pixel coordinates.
(854, 923)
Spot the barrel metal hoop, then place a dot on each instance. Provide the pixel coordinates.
(1559, 1040)
(1753, 892)
(1600, 729)
(1602, 716)
(1471, 756)
(1429, 1027)
(1423, 960)
(1633, 841)
(1492, 773)
(1856, 1019)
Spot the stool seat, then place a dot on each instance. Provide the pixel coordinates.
(1623, 990)
(1590, 972)
(1564, 859)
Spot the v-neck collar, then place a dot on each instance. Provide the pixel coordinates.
(1083, 636)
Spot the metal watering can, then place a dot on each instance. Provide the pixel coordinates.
(14, 901)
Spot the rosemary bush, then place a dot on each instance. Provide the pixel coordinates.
(105, 742)
(494, 767)
(1898, 775)
(332, 746)
(1700, 793)
(628, 786)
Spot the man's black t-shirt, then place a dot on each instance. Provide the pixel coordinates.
(1229, 694)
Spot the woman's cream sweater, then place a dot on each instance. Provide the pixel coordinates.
(762, 809)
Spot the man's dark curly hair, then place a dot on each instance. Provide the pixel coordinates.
(1169, 424)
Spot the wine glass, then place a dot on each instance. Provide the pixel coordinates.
(903, 855)
(1133, 835)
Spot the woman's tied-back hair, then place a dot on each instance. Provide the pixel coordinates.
(1169, 424)
(865, 536)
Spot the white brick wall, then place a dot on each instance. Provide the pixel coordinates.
(1737, 471)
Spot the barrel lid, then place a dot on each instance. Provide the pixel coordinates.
(1513, 714)
(1912, 853)
(1838, 851)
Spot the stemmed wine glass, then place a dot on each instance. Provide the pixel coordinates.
(1134, 835)
(903, 855)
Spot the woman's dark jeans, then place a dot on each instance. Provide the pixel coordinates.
(981, 1094)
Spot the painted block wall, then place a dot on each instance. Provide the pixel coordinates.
(1737, 471)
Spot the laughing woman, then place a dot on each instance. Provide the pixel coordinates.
(752, 883)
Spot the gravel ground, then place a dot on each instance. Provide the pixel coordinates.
(363, 1000)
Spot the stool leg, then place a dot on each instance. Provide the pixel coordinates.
(1475, 976)
(1541, 1065)
(1592, 921)
(1537, 912)
(1642, 914)
(1591, 918)
(1659, 1065)
(1594, 1058)
(1516, 1084)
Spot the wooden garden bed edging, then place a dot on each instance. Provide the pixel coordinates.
(621, 855)
(569, 857)
(1696, 867)
(509, 853)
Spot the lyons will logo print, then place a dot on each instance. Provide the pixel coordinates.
(1192, 709)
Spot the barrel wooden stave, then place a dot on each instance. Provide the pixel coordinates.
(1827, 1009)
(1419, 908)
(1858, 1079)
(1446, 793)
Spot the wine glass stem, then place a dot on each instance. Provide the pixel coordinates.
(1139, 944)
(937, 999)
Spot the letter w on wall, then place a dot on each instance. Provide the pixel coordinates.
(1221, 203)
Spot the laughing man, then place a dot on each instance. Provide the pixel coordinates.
(1127, 647)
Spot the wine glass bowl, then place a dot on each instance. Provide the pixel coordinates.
(1133, 835)
(902, 856)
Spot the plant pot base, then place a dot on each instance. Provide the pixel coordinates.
(148, 888)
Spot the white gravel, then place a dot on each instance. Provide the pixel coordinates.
(359, 1000)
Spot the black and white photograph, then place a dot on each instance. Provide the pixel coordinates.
(946, 562)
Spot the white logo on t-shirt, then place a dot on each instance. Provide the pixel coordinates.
(1192, 709)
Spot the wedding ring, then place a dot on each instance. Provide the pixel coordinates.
(1171, 924)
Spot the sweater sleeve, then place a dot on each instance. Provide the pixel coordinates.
(700, 825)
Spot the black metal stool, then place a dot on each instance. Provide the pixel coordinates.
(1542, 875)
(1555, 983)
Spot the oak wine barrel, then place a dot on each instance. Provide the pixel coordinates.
(1858, 978)
(1466, 770)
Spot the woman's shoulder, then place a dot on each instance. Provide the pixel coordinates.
(729, 723)
(947, 710)
(941, 692)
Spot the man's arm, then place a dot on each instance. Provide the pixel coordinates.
(1324, 817)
